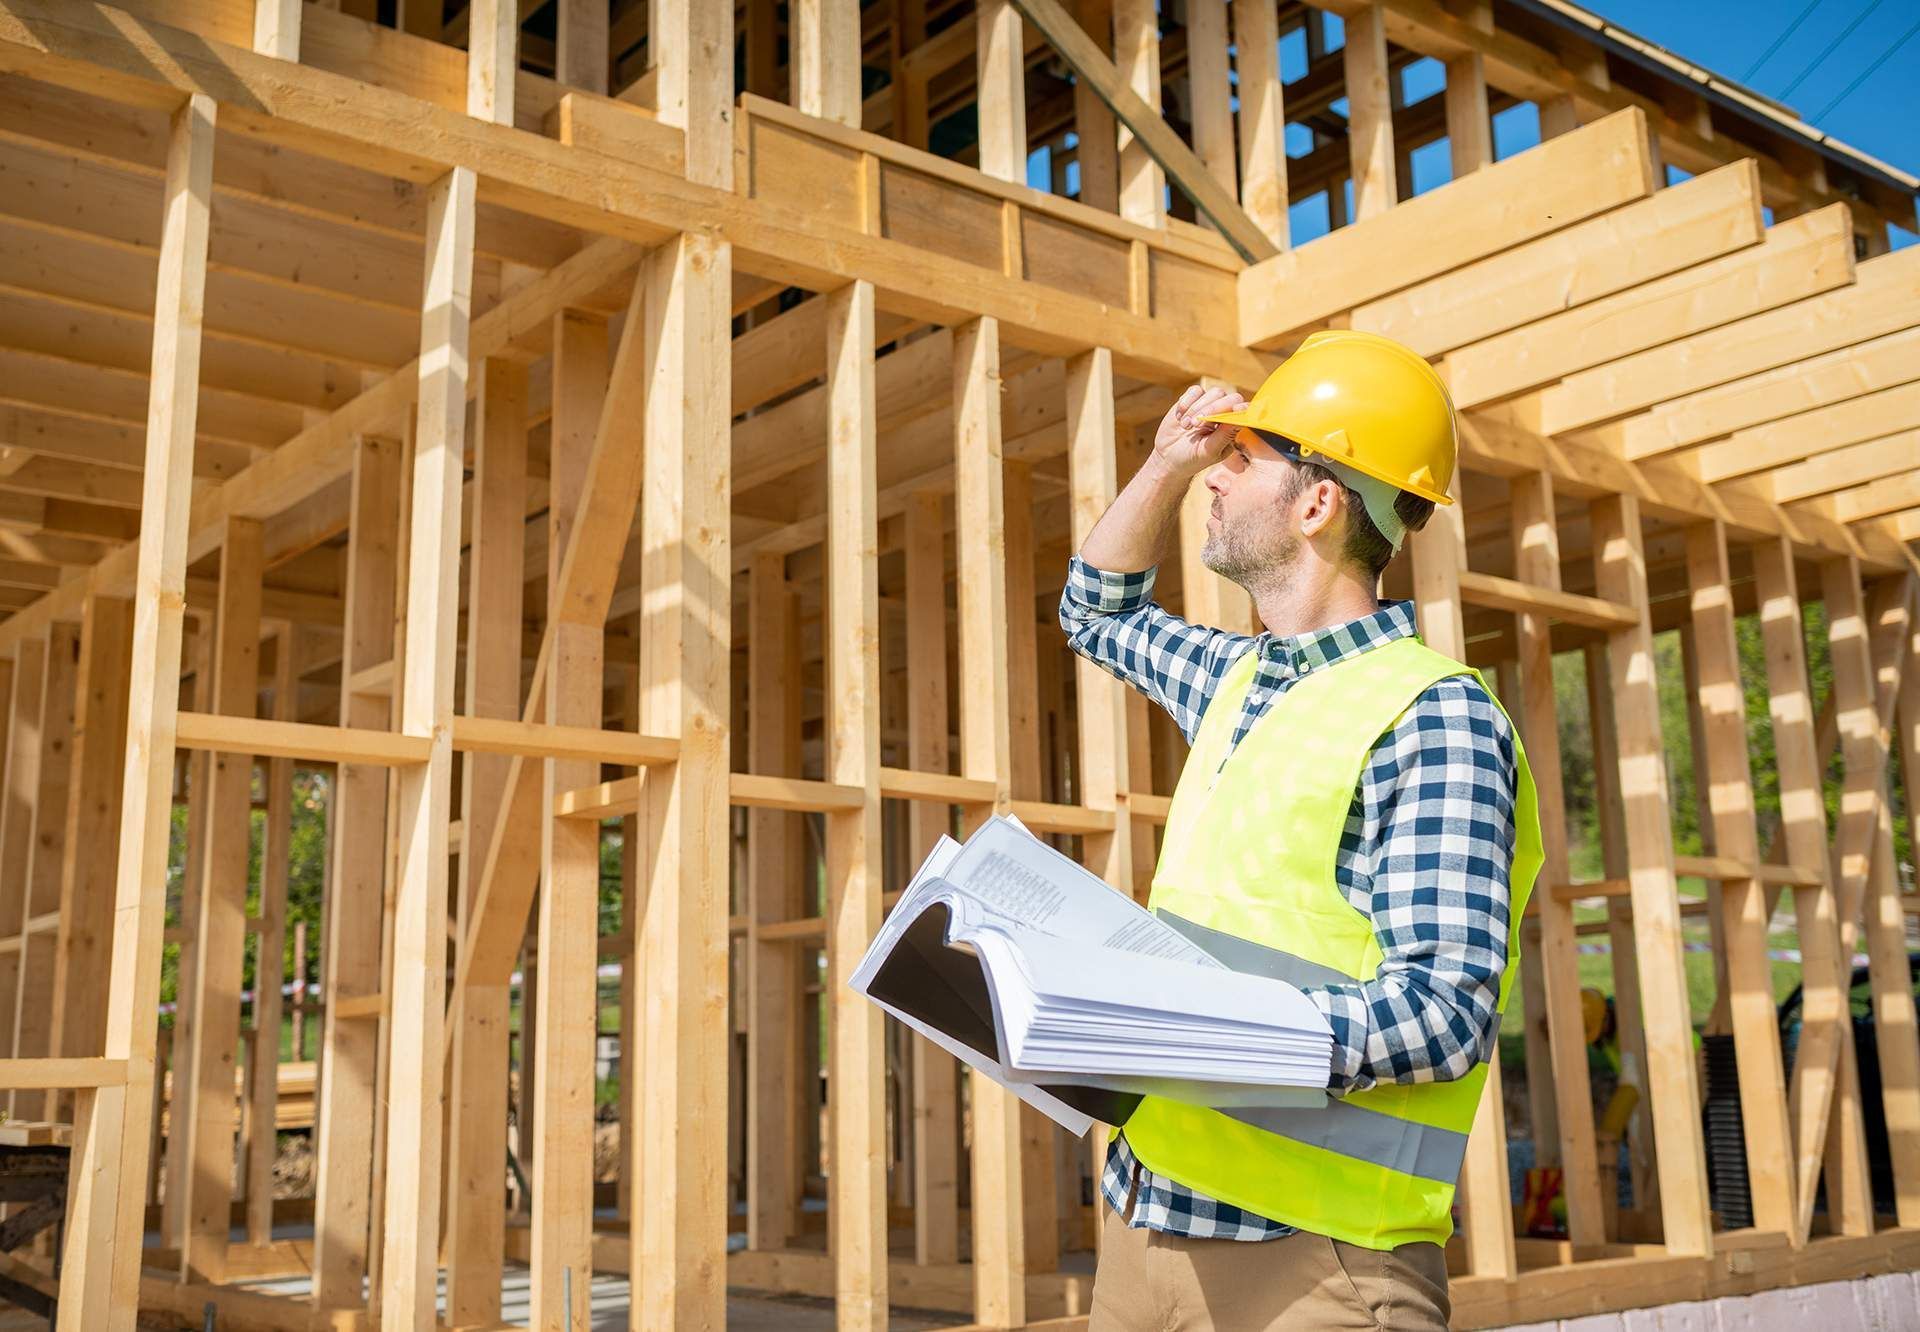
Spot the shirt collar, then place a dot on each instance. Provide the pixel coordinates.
(1301, 653)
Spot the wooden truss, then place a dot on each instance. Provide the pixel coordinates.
(697, 466)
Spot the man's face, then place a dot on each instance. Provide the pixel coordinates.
(1253, 532)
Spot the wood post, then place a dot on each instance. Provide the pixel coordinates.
(999, 1250)
(1620, 575)
(1263, 119)
(93, 824)
(1369, 113)
(857, 1208)
(1469, 126)
(681, 944)
(936, 1098)
(1099, 148)
(476, 1194)
(269, 966)
(1536, 560)
(774, 1060)
(1136, 54)
(99, 1289)
(566, 997)
(356, 889)
(1002, 73)
(1439, 552)
(417, 1000)
(1723, 760)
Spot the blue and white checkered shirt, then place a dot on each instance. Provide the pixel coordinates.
(1425, 854)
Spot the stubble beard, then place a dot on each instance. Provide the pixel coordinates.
(1250, 558)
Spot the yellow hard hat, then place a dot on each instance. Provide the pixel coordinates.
(1593, 1012)
(1363, 401)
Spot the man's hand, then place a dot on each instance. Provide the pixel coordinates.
(1185, 443)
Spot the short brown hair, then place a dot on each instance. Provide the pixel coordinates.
(1365, 546)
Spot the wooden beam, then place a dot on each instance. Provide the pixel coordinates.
(1210, 94)
(1620, 575)
(100, 1284)
(1570, 179)
(580, 45)
(1469, 126)
(681, 945)
(357, 874)
(1155, 145)
(422, 798)
(1099, 150)
(1670, 233)
(1800, 258)
(1881, 300)
(276, 28)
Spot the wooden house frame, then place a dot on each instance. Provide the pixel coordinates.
(554, 437)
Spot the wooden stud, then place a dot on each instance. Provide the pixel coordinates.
(99, 1287)
(350, 953)
(1722, 760)
(1136, 59)
(825, 59)
(580, 45)
(1210, 93)
(1620, 575)
(93, 823)
(21, 793)
(999, 1251)
(476, 1197)
(276, 28)
(566, 997)
(269, 967)
(936, 1104)
(1439, 554)
(1825, 974)
(493, 57)
(425, 707)
(1263, 119)
(38, 957)
(681, 945)
(1002, 76)
(1469, 125)
(773, 1039)
(1536, 560)
(1099, 149)
(1369, 112)
(857, 1208)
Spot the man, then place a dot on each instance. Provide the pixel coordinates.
(1355, 816)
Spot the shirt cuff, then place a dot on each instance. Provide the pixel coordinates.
(1346, 1013)
(1108, 593)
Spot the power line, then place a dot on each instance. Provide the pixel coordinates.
(1833, 45)
(1867, 73)
(1779, 41)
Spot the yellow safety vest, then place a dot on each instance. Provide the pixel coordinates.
(1247, 869)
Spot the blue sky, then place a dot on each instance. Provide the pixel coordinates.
(1881, 116)
(1813, 55)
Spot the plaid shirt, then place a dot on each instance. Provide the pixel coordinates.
(1425, 854)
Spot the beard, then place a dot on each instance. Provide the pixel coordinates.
(1256, 549)
(1252, 552)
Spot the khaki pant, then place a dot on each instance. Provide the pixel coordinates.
(1153, 1282)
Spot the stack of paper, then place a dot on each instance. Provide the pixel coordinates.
(1035, 972)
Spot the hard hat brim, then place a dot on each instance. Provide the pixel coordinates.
(1251, 420)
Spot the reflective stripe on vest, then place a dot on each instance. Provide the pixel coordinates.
(1425, 1150)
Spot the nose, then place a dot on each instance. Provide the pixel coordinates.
(1216, 478)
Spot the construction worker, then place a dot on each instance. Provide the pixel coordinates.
(1355, 816)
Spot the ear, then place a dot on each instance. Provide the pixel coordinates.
(1320, 503)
